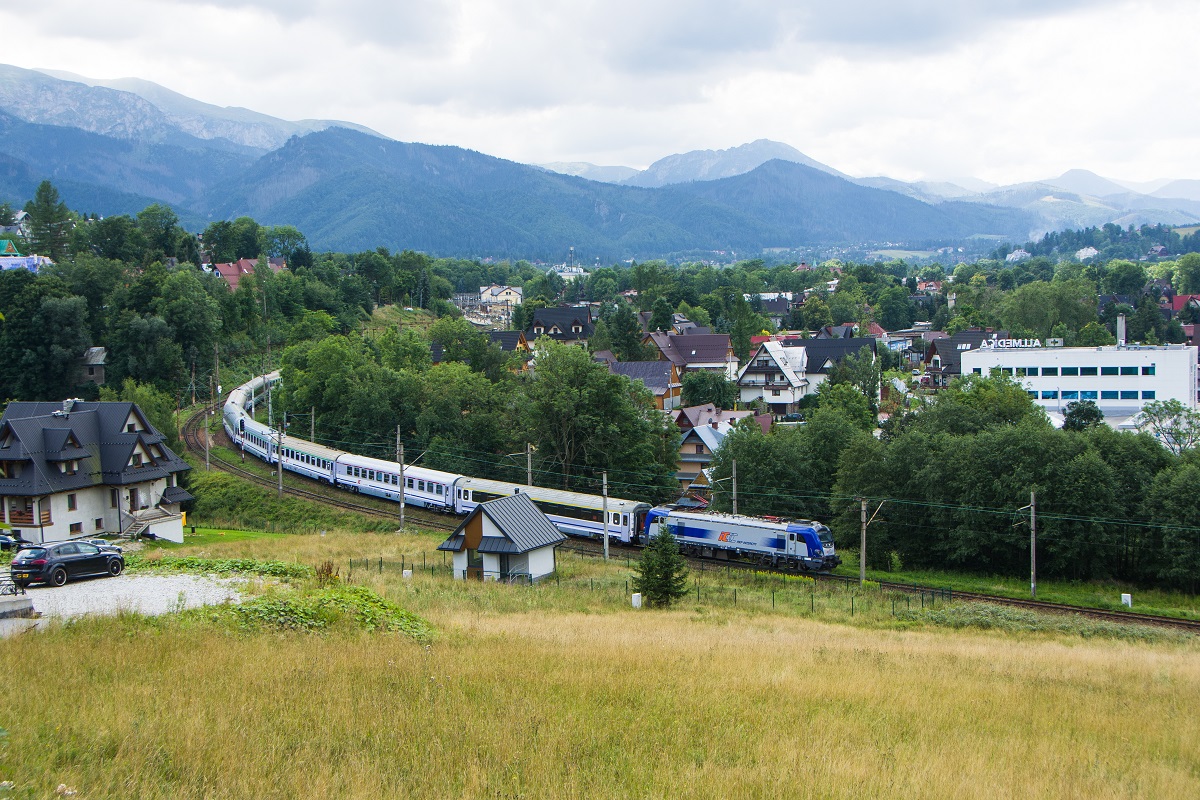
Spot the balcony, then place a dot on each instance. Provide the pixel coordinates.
(29, 518)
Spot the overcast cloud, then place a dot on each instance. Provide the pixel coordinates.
(1004, 90)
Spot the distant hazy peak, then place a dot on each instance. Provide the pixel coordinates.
(592, 172)
(707, 165)
(206, 121)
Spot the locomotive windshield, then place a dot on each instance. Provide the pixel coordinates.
(824, 535)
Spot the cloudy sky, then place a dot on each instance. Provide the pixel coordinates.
(1004, 90)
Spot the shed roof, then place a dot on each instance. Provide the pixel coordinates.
(522, 525)
(654, 375)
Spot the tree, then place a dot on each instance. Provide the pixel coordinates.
(661, 573)
(1187, 273)
(1081, 415)
(849, 401)
(816, 313)
(1173, 424)
(159, 224)
(702, 387)
(861, 371)
(1124, 277)
(661, 317)
(1094, 334)
(49, 222)
(893, 309)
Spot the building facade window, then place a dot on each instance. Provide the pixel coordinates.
(76, 528)
(1149, 395)
(71, 502)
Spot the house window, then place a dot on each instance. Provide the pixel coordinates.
(76, 528)
(1129, 395)
(91, 371)
(1148, 395)
(775, 393)
(1089, 395)
(1109, 371)
(1129, 370)
(576, 329)
(136, 460)
(1050, 395)
(71, 502)
(1086, 372)
(539, 329)
(1048, 372)
(978, 370)
(700, 449)
(1070, 372)
(1148, 370)
(131, 428)
(112, 497)
(99, 524)
(1070, 395)
(1108, 394)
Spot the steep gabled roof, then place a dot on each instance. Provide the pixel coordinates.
(43, 436)
(950, 350)
(822, 354)
(692, 348)
(788, 360)
(557, 323)
(509, 341)
(654, 375)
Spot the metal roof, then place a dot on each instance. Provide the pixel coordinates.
(522, 527)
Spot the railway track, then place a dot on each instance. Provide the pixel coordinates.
(191, 439)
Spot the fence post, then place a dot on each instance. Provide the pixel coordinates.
(381, 566)
(813, 598)
(698, 591)
(852, 605)
(893, 606)
(772, 599)
(734, 594)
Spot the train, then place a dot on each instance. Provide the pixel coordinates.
(782, 544)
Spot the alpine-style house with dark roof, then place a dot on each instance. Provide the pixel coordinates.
(508, 539)
(565, 325)
(80, 468)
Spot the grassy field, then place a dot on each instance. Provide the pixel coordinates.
(1088, 594)
(561, 690)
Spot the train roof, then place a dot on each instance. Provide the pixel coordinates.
(743, 518)
(311, 448)
(559, 496)
(410, 471)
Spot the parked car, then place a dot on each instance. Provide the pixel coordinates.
(103, 544)
(57, 562)
(11, 542)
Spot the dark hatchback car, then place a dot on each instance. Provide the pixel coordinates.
(56, 563)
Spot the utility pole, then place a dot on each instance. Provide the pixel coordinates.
(207, 433)
(312, 424)
(400, 461)
(862, 547)
(1032, 546)
(605, 513)
(279, 460)
(217, 371)
(528, 464)
(735, 487)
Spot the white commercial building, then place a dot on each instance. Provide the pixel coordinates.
(1119, 379)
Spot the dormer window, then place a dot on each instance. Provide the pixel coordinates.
(576, 329)
(131, 428)
(136, 461)
(539, 329)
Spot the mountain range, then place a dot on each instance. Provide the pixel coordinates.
(114, 147)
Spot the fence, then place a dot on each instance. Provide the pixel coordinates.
(715, 586)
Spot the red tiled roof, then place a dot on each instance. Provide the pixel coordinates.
(233, 271)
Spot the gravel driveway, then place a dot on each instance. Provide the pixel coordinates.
(149, 594)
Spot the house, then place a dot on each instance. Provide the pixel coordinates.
(80, 468)
(233, 271)
(943, 358)
(92, 366)
(776, 375)
(495, 295)
(510, 341)
(696, 450)
(660, 377)
(844, 331)
(690, 352)
(508, 539)
(570, 325)
(822, 354)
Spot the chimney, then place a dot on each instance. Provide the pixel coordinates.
(68, 405)
(1120, 330)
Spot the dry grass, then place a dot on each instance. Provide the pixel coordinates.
(554, 692)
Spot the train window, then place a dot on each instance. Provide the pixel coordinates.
(616, 519)
(420, 486)
(624, 519)
(791, 537)
(408, 482)
(441, 489)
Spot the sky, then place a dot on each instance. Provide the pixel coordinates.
(1001, 90)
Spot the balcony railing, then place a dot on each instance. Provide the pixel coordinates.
(29, 518)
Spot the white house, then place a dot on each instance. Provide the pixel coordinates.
(508, 539)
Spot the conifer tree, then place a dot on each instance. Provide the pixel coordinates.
(661, 573)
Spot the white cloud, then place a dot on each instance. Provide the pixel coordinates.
(1004, 89)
